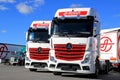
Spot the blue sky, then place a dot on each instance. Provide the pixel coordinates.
(17, 15)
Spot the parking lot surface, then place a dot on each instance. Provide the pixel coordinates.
(8, 72)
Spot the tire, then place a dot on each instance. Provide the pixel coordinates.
(96, 72)
(14, 64)
(57, 73)
(32, 69)
(107, 67)
(95, 75)
(97, 65)
(119, 67)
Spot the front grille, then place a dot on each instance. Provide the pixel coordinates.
(39, 64)
(36, 55)
(68, 66)
(76, 53)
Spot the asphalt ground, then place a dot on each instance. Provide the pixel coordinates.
(8, 72)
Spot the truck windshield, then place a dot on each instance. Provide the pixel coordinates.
(73, 27)
(38, 35)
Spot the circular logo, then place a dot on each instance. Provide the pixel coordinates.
(106, 44)
(69, 46)
(39, 50)
(3, 51)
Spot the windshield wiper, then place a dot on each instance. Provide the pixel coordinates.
(36, 40)
(82, 32)
(62, 34)
(72, 34)
(65, 34)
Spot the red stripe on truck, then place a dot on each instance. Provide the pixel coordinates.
(73, 13)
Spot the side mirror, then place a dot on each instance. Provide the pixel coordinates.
(94, 32)
(96, 29)
(95, 35)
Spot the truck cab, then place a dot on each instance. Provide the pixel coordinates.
(37, 44)
(75, 41)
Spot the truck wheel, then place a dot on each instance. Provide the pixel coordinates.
(57, 73)
(32, 69)
(107, 67)
(96, 72)
(97, 64)
(95, 75)
(118, 67)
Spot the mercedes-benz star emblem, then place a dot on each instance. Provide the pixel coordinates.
(39, 50)
(69, 46)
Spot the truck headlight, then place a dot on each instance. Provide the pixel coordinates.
(27, 59)
(53, 59)
(87, 59)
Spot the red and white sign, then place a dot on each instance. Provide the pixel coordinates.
(41, 25)
(3, 51)
(106, 44)
(73, 13)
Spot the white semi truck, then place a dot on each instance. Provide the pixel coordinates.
(110, 46)
(75, 42)
(37, 45)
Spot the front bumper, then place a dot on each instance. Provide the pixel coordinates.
(73, 68)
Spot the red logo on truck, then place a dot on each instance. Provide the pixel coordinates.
(73, 13)
(106, 44)
(41, 24)
(3, 51)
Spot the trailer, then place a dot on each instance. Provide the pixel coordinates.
(11, 53)
(110, 46)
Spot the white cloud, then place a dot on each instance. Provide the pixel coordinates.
(7, 1)
(29, 6)
(38, 3)
(3, 7)
(3, 31)
(11, 1)
(117, 15)
(24, 8)
(75, 5)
